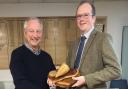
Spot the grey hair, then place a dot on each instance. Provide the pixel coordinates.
(33, 18)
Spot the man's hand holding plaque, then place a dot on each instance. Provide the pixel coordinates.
(63, 76)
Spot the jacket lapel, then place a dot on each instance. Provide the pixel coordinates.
(88, 44)
(75, 51)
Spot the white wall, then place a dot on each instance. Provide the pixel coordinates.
(6, 80)
(37, 9)
(116, 11)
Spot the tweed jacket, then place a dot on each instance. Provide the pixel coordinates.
(99, 62)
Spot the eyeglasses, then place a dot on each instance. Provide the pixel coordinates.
(85, 15)
(33, 31)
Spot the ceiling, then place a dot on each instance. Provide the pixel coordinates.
(48, 1)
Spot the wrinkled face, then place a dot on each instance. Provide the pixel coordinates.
(85, 19)
(33, 33)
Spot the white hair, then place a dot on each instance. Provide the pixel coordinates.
(33, 18)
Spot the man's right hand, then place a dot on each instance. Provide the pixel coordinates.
(50, 83)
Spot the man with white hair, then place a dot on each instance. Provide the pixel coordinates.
(29, 64)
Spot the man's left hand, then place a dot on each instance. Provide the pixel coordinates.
(80, 81)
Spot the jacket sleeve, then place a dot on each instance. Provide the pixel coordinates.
(18, 72)
(112, 68)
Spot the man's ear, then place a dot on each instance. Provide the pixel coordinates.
(94, 19)
(24, 33)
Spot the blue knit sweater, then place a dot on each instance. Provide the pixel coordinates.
(30, 71)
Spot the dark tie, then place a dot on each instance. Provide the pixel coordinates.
(79, 52)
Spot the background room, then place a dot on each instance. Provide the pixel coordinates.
(59, 18)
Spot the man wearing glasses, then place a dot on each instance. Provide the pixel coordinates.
(92, 54)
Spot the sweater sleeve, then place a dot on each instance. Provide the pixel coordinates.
(52, 66)
(18, 72)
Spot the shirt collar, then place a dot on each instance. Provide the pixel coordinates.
(88, 33)
(37, 52)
